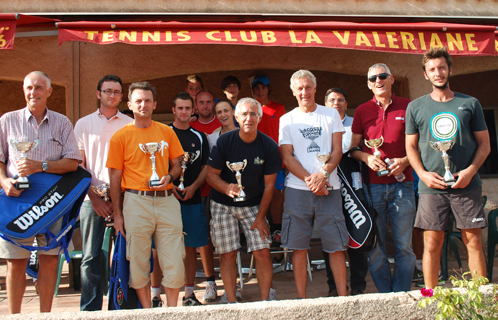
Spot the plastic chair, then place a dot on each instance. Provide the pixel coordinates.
(283, 266)
(75, 256)
(492, 242)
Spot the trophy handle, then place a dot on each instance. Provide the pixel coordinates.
(35, 143)
(142, 147)
(228, 165)
(245, 164)
(197, 154)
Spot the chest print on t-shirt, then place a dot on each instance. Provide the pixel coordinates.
(312, 134)
(258, 161)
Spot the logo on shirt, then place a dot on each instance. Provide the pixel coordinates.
(258, 161)
(312, 134)
(444, 126)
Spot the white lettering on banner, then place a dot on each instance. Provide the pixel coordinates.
(356, 215)
(36, 212)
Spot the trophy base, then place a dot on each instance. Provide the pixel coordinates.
(154, 183)
(450, 183)
(238, 199)
(329, 188)
(22, 185)
(383, 173)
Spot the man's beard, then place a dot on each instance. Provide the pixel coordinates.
(444, 86)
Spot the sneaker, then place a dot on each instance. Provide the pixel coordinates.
(191, 301)
(421, 283)
(417, 275)
(355, 292)
(273, 294)
(224, 298)
(157, 302)
(333, 293)
(211, 293)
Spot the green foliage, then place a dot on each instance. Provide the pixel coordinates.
(470, 304)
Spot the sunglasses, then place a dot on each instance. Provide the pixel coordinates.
(382, 76)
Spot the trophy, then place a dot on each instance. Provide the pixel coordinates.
(153, 148)
(375, 144)
(188, 157)
(102, 190)
(238, 167)
(444, 146)
(323, 158)
(23, 148)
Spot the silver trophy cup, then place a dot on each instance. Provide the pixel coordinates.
(23, 148)
(444, 146)
(153, 148)
(188, 157)
(102, 190)
(323, 158)
(376, 144)
(237, 167)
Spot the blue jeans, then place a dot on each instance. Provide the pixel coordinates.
(395, 201)
(92, 233)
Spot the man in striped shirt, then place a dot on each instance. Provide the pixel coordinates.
(57, 152)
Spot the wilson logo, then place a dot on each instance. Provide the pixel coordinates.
(356, 215)
(36, 212)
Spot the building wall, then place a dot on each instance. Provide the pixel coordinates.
(337, 7)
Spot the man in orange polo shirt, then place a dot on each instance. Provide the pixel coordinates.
(149, 209)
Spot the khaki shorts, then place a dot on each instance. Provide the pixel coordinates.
(158, 218)
(434, 210)
(11, 251)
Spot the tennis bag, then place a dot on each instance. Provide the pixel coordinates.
(121, 295)
(359, 213)
(50, 197)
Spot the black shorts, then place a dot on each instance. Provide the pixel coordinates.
(434, 210)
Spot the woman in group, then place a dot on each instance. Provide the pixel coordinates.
(224, 111)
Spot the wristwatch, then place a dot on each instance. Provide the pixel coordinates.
(325, 174)
(44, 166)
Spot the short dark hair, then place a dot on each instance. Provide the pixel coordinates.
(182, 96)
(111, 78)
(194, 78)
(204, 90)
(141, 86)
(220, 101)
(228, 81)
(434, 53)
(336, 90)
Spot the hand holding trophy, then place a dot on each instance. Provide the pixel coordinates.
(188, 157)
(375, 144)
(153, 148)
(323, 158)
(444, 146)
(23, 148)
(238, 167)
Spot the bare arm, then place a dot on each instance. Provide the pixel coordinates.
(316, 181)
(8, 184)
(482, 152)
(431, 179)
(372, 161)
(28, 166)
(213, 178)
(115, 193)
(260, 222)
(291, 163)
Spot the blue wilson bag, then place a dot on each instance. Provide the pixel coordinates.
(50, 197)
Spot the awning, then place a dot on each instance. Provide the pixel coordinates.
(9, 21)
(414, 38)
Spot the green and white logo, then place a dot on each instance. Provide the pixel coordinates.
(444, 126)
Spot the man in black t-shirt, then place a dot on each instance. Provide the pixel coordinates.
(250, 158)
(194, 174)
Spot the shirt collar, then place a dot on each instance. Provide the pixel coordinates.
(28, 114)
(390, 100)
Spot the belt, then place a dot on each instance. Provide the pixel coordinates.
(166, 193)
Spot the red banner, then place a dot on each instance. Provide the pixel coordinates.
(7, 30)
(414, 38)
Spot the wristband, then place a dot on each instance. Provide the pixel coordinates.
(170, 179)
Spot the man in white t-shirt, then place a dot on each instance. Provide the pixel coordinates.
(313, 187)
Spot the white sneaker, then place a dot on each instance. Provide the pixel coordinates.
(273, 294)
(224, 298)
(211, 292)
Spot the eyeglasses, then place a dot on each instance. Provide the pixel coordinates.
(340, 100)
(382, 76)
(110, 92)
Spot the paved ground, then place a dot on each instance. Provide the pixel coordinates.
(68, 299)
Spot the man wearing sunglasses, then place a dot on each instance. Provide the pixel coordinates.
(383, 117)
